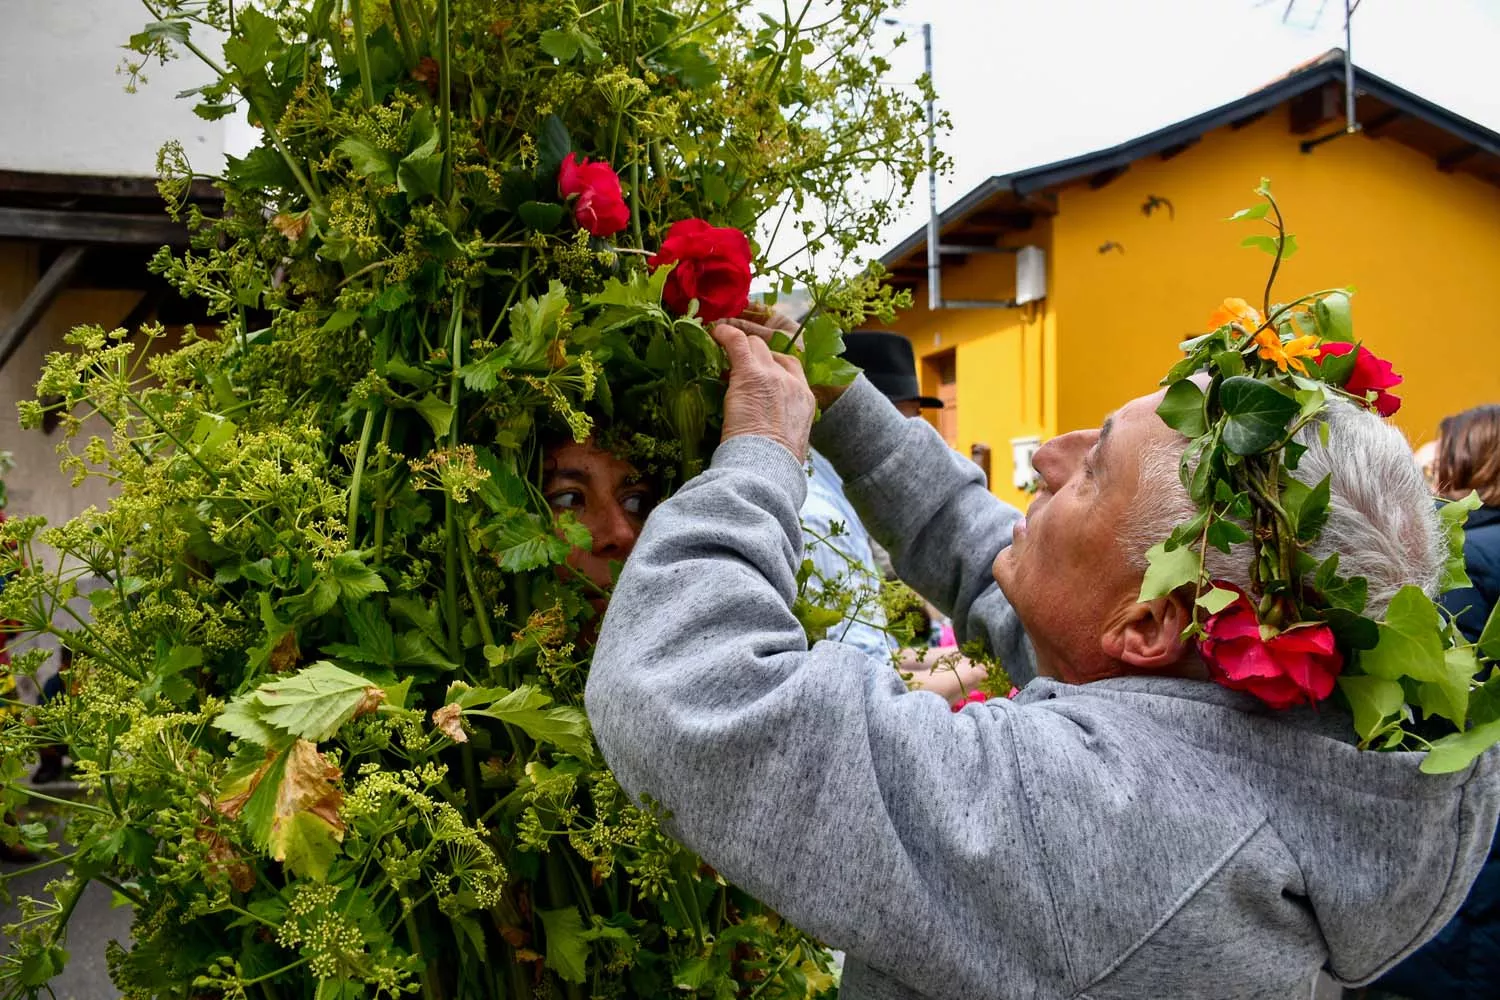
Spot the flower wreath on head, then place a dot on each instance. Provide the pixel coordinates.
(1301, 632)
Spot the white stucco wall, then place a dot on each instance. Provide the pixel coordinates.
(63, 105)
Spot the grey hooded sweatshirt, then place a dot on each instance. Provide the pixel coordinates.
(1133, 837)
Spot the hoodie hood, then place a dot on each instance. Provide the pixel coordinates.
(1387, 854)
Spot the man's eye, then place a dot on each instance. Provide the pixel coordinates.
(565, 500)
(637, 504)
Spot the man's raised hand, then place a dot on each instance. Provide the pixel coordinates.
(768, 394)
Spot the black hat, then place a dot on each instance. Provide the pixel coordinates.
(888, 362)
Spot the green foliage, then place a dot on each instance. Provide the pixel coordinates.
(328, 705)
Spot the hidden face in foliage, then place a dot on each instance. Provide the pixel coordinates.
(607, 496)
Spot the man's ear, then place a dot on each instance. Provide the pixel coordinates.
(1148, 635)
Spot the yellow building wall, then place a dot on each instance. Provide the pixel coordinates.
(1421, 248)
(1004, 358)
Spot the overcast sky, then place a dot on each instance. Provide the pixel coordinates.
(1031, 81)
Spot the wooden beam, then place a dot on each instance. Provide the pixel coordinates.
(1380, 121)
(87, 185)
(38, 300)
(1451, 159)
(1103, 177)
(1180, 147)
(1240, 123)
(90, 227)
(1315, 108)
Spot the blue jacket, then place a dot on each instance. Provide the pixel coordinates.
(1463, 961)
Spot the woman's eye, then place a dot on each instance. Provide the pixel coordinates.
(637, 504)
(565, 500)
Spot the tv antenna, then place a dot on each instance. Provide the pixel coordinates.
(1351, 123)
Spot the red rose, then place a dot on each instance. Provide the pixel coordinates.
(1370, 374)
(1290, 668)
(713, 266)
(972, 698)
(600, 207)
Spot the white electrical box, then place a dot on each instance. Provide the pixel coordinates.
(1031, 275)
(1023, 476)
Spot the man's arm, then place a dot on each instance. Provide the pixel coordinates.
(930, 507)
(810, 777)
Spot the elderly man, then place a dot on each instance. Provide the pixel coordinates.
(1123, 828)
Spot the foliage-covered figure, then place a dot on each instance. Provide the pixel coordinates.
(327, 700)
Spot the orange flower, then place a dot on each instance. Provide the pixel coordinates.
(1235, 311)
(1272, 349)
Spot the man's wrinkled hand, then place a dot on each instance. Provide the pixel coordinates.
(765, 324)
(768, 395)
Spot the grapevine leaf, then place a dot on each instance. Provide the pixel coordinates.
(1166, 570)
(1373, 699)
(312, 704)
(1458, 750)
(1410, 640)
(1452, 517)
(438, 413)
(354, 579)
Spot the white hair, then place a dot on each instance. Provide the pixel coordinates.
(1381, 517)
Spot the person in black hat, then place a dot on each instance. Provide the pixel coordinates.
(888, 362)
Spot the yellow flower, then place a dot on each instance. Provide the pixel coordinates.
(1235, 311)
(1272, 349)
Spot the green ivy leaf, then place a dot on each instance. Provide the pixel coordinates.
(1256, 415)
(1458, 750)
(553, 146)
(567, 949)
(1222, 534)
(1410, 643)
(1452, 516)
(1331, 315)
(1373, 699)
(1167, 570)
(1306, 506)
(1182, 409)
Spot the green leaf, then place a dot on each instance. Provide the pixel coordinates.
(1229, 363)
(1306, 506)
(1373, 699)
(419, 173)
(1168, 570)
(1253, 212)
(543, 216)
(1410, 643)
(438, 413)
(353, 577)
(1256, 415)
(1182, 409)
(1222, 534)
(369, 159)
(553, 146)
(567, 949)
(1266, 243)
(1457, 750)
(260, 169)
(1351, 629)
(1216, 599)
(564, 727)
(1449, 696)
(1452, 517)
(692, 66)
(241, 719)
(307, 845)
(559, 43)
(1489, 638)
(1331, 314)
(311, 704)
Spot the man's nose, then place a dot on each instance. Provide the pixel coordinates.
(1057, 460)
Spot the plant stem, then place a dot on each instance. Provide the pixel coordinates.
(445, 97)
(1276, 263)
(635, 199)
(359, 470)
(429, 986)
(404, 33)
(450, 508)
(383, 499)
(362, 52)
